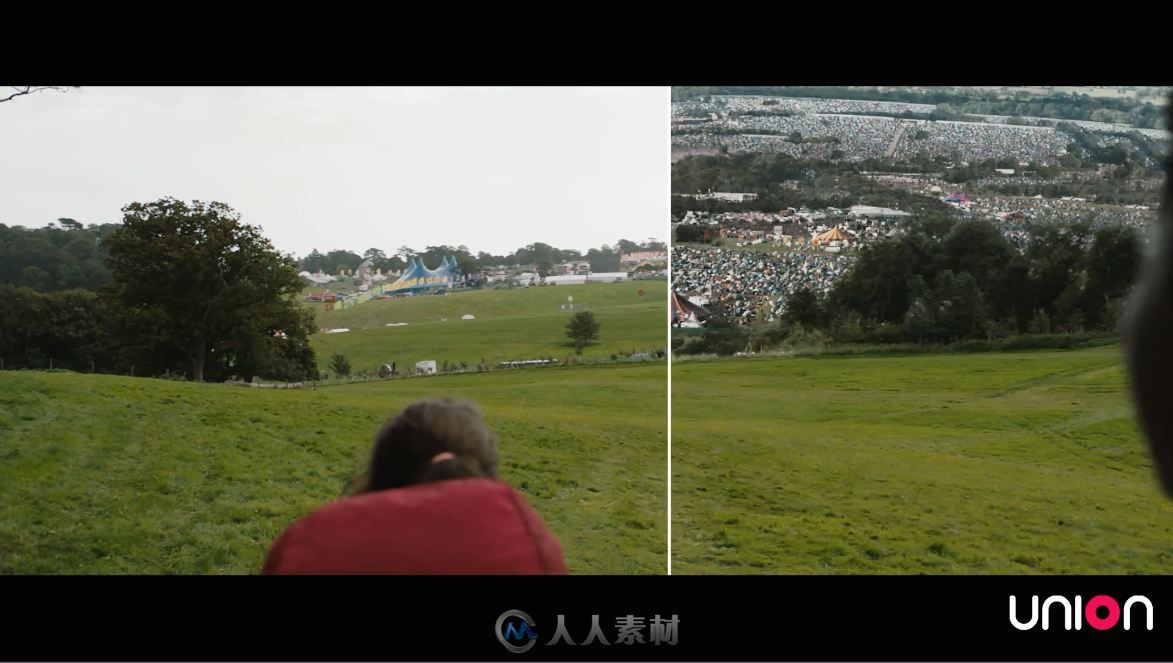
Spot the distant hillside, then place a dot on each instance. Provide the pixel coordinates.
(1130, 110)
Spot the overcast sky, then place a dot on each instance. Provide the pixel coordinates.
(352, 168)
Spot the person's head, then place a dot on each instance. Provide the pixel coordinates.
(431, 440)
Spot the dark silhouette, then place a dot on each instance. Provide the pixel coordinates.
(1149, 339)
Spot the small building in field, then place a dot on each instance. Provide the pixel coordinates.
(607, 277)
(566, 279)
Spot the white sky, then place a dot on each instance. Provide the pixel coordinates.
(352, 167)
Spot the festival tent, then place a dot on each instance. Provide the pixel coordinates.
(832, 235)
(418, 277)
(684, 310)
(316, 279)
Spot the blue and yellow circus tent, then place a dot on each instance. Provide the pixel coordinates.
(418, 277)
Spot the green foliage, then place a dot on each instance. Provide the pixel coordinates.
(1041, 323)
(882, 285)
(539, 255)
(692, 233)
(62, 257)
(66, 329)
(1112, 265)
(978, 249)
(198, 288)
(604, 259)
(1086, 146)
(337, 261)
(804, 309)
(945, 281)
(970, 283)
(950, 310)
(582, 329)
(751, 172)
(782, 181)
(340, 365)
(717, 340)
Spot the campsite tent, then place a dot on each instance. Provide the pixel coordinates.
(686, 313)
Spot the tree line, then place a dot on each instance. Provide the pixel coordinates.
(1135, 153)
(187, 289)
(60, 256)
(191, 291)
(815, 185)
(955, 104)
(538, 255)
(820, 184)
(67, 255)
(950, 281)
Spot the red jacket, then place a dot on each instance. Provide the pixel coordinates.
(453, 527)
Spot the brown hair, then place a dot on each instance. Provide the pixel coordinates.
(406, 447)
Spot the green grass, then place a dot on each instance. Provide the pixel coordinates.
(985, 463)
(106, 474)
(518, 324)
(1110, 92)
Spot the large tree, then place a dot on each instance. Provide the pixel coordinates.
(337, 261)
(625, 246)
(194, 279)
(603, 259)
(314, 262)
(582, 329)
(977, 247)
(804, 309)
(1112, 264)
(1056, 256)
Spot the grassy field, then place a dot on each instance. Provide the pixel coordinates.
(1112, 92)
(105, 474)
(518, 324)
(983, 463)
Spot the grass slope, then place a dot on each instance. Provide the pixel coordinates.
(983, 463)
(106, 474)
